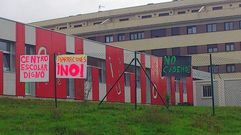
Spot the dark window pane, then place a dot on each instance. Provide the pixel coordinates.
(218, 8)
(228, 26)
(181, 12)
(229, 47)
(158, 33)
(175, 31)
(230, 68)
(29, 49)
(239, 24)
(215, 69)
(62, 28)
(6, 64)
(207, 91)
(195, 10)
(164, 14)
(121, 37)
(109, 38)
(146, 16)
(212, 48)
(123, 19)
(4, 46)
(136, 35)
(176, 51)
(92, 38)
(97, 23)
(191, 30)
(192, 49)
(159, 52)
(211, 27)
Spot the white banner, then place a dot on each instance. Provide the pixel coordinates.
(71, 66)
(34, 68)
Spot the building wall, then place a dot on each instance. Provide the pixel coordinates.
(98, 53)
(205, 101)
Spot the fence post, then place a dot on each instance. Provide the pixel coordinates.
(135, 80)
(212, 87)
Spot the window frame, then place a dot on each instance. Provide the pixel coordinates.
(192, 49)
(192, 29)
(230, 68)
(121, 37)
(109, 38)
(228, 26)
(229, 47)
(207, 91)
(212, 28)
(137, 35)
(212, 48)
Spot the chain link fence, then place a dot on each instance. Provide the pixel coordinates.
(226, 69)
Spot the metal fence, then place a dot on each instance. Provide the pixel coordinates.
(226, 70)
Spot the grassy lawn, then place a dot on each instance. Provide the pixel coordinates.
(71, 118)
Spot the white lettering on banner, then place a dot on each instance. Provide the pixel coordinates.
(71, 66)
(34, 68)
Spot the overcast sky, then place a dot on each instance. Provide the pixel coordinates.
(36, 10)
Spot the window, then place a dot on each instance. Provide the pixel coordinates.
(78, 25)
(195, 10)
(207, 91)
(102, 70)
(29, 49)
(192, 49)
(136, 35)
(124, 19)
(218, 8)
(8, 55)
(121, 37)
(88, 76)
(191, 30)
(159, 52)
(4, 46)
(95, 23)
(181, 12)
(239, 24)
(230, 68)
(158, 33)
(211, 27)
(62, 28)
(228, 26)
(164, 14)
(109, 38)
(229, 47)
(175, 31)
(212, 48)
(146, 16)
(127, 79)
(215, 69)
(176, 51)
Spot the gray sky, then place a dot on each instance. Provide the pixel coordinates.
(35, 10)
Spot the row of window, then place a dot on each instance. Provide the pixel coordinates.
(167, 13)
(230, 68)
(163, 32)
(196, 49)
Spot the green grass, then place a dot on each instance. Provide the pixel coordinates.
(31, 117)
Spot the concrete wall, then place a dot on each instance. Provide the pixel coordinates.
(226, 93)
(205, 101)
